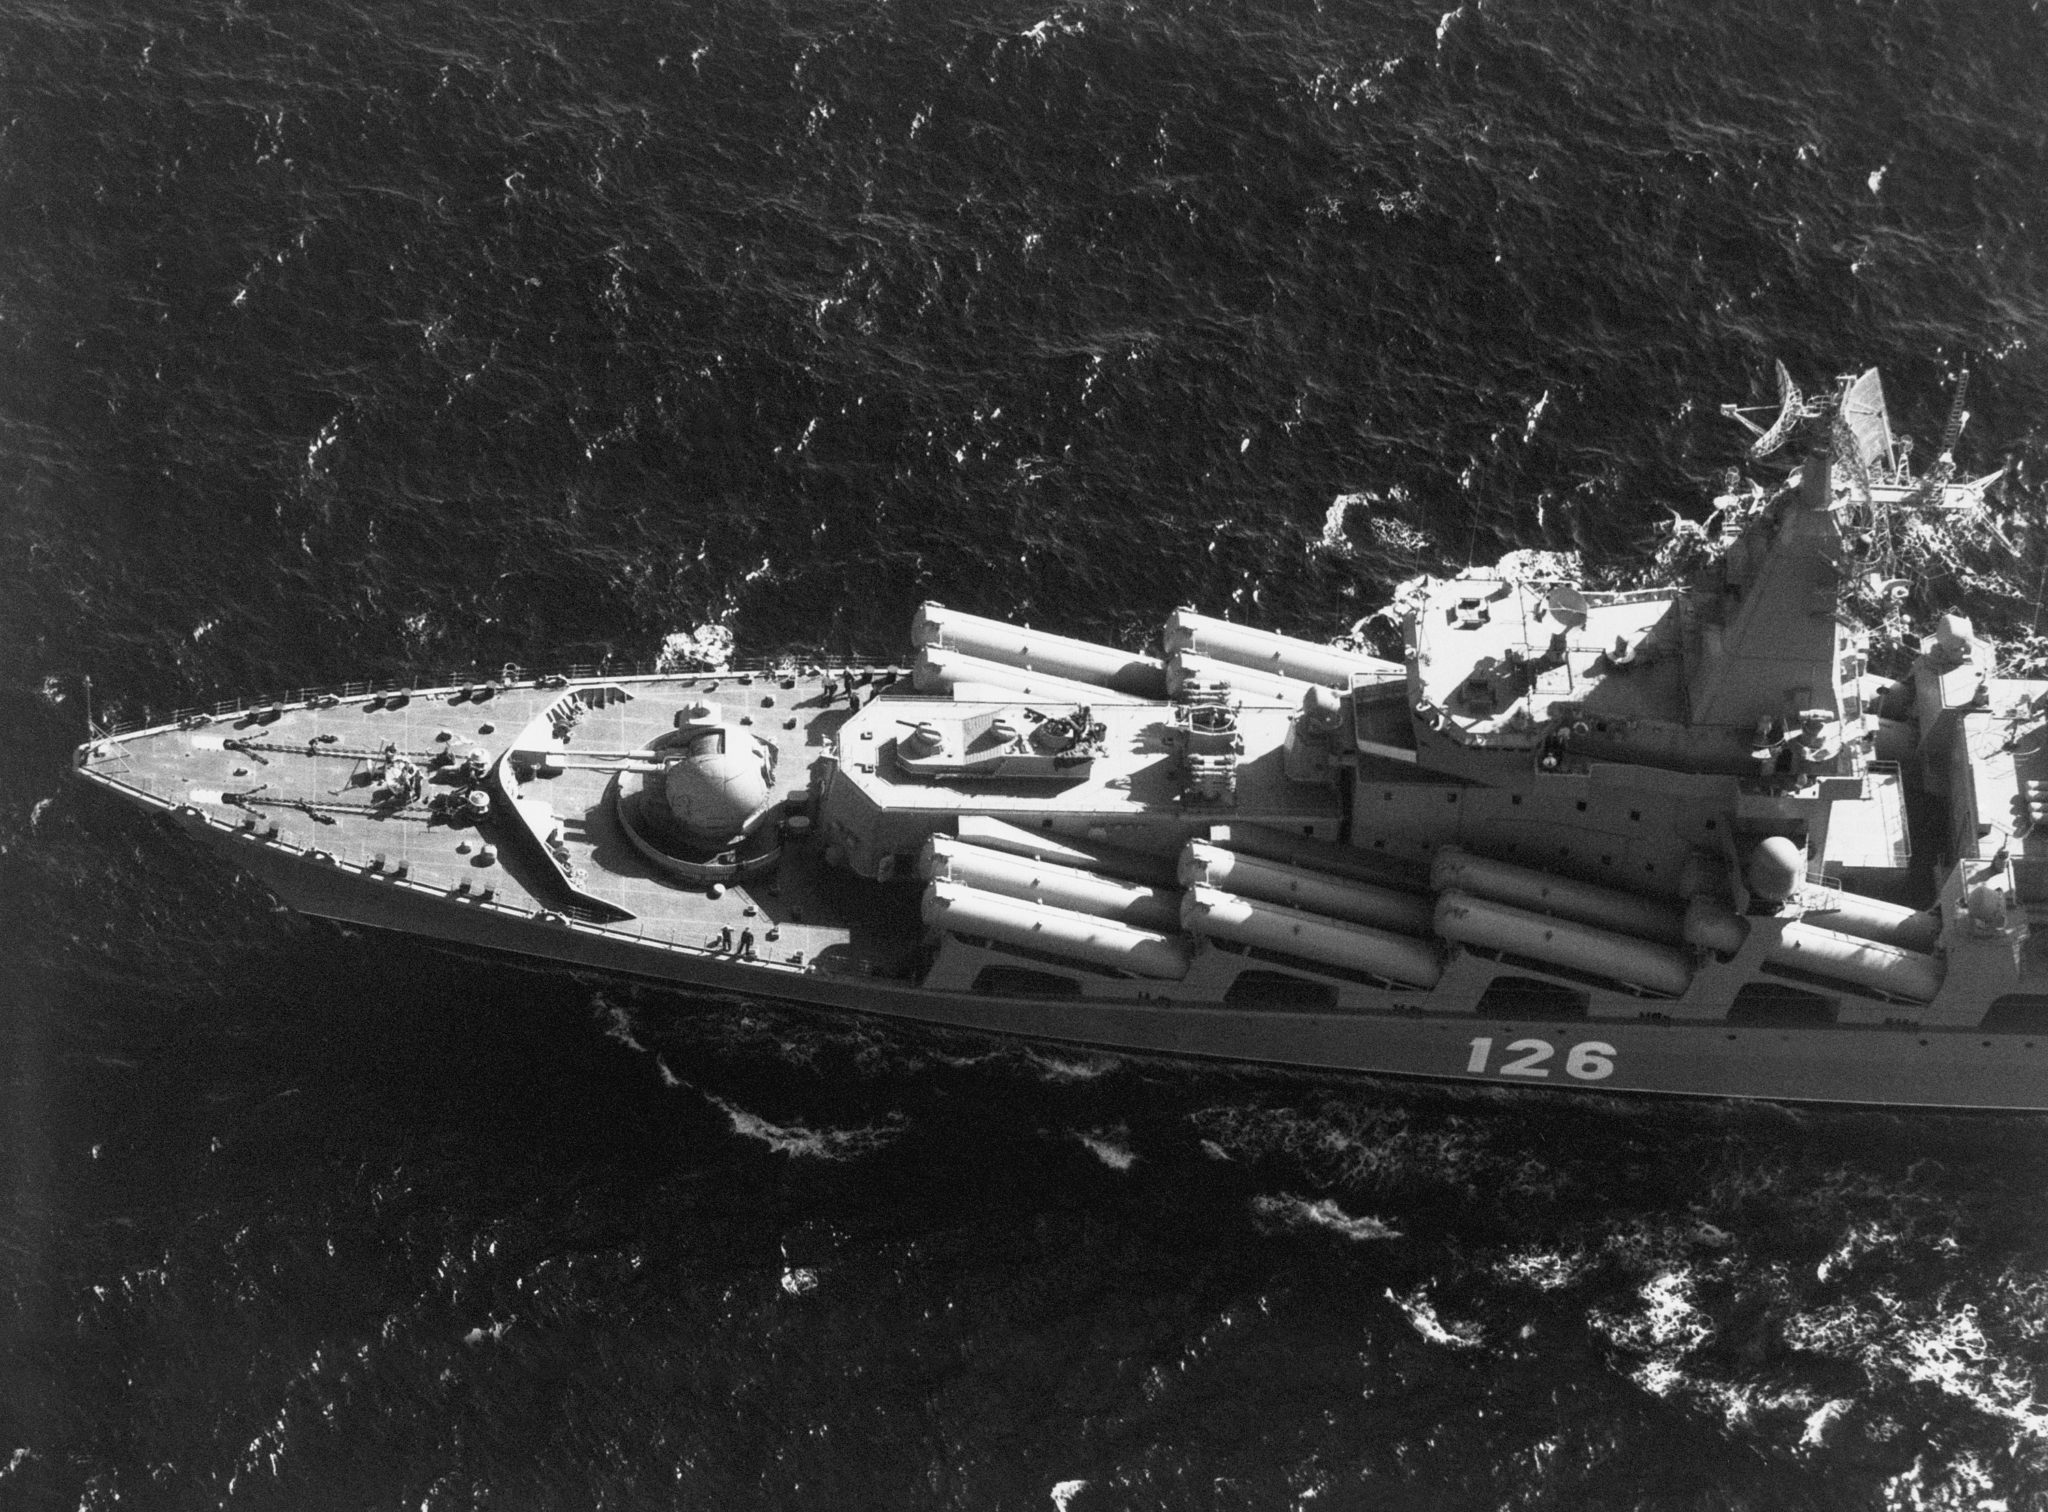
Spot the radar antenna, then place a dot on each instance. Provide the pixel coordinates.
(1935, 484)
(1907, 530)
(1793, 407)
(1902, 531)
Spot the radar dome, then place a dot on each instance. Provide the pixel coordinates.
(1775, 867)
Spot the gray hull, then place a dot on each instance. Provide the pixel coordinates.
(1911, 1067)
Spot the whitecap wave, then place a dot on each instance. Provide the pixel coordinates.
(1286, 1210)
(814, 1144)
(708, 648)
(1055, 1068)
(1350, 1145)
(1546, 1270)
(1821, 1420)
(1661, 1332)
(1111, 1148)
(1333, 540)
(1944, 1346)
(618, 1023)
(1064, 22)
(1421, 1314)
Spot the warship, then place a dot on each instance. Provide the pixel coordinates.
(1689, 841)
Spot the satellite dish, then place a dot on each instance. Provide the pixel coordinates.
(1567, 606)
(1791, 410)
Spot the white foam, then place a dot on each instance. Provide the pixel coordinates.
(1960, 1481)
(1821, 1419)
(1061, 23)
(1546, 1270)
(1333, 538)
(1056, 1069)
(1947, 1349)
(1951, 1352)
(1416, 1307)
(1066, 1491)
(1666, 1329)
(1118, 1157)
(816, 1144)
(708, 648)
(1291, 1211)
(1861, 1239)
(618, 1024)
(1354, 1145)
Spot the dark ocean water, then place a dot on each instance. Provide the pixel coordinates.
(345, 340)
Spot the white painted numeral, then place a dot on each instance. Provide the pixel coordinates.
(1591, 1061)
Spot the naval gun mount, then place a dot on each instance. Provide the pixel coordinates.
(704, 809)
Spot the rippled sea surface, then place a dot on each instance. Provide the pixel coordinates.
(344, 341)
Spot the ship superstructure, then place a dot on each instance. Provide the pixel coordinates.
(1682, 840)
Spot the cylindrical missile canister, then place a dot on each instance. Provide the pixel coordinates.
(1334, 942)
(1058, 886)
(1563, 942)
(1456, 870)
(1865, 963)
(1056, 931)
(936, 626)
(938, 670)
(1264, 651)
(1872, 919)
(1203, 864)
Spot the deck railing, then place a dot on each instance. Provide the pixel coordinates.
(509, 675)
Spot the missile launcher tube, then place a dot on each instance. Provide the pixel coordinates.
(1248, 684)
(1873, 919)
(1054, 931)
(1333, 942)
(1264, 651)
(1563, 942)
(936, 627)
(1849, 959)
(952, 860)
(1865, 963)
(1038, 845)
(938, 670)
(1323, 856)
(1456, 870)
(1203, 864)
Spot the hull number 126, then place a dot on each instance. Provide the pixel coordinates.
(1592, 1060)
